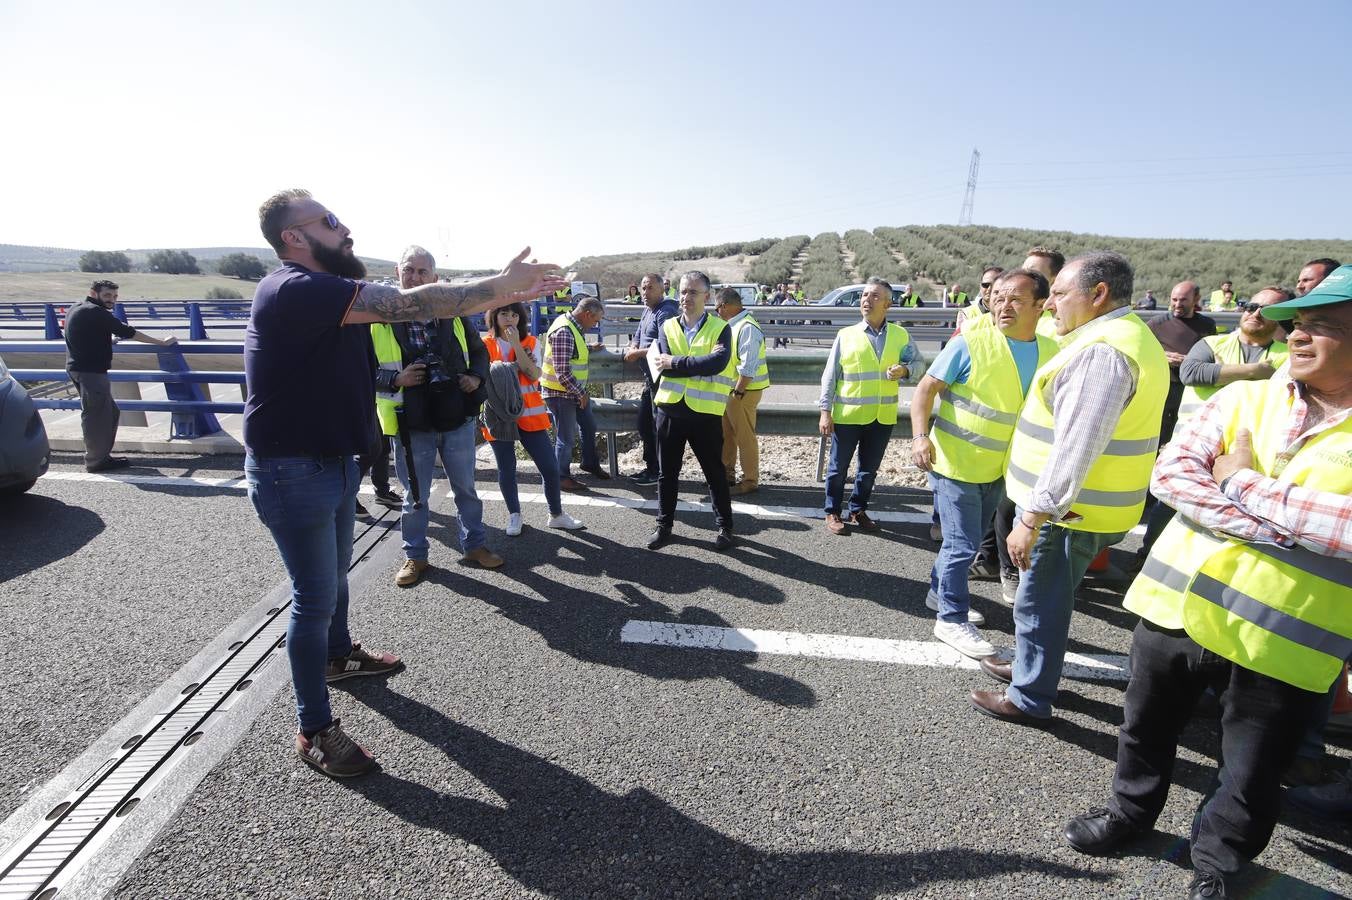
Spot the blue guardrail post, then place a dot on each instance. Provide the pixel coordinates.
(197, 329)
(51, 326)
(121, 312)
(185, 424)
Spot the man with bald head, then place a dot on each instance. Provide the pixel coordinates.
(1177, 332)
(429, 389)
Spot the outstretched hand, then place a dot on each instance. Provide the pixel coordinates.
(1240, 456)
(523, 281)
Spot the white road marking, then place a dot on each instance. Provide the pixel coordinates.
(577, 500)
(932, 654)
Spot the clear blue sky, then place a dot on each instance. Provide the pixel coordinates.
(591, 127)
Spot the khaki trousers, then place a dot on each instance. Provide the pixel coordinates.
(739, 436)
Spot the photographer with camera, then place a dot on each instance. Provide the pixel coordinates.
(429, 389)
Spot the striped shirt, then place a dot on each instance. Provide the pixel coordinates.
(1253, 507)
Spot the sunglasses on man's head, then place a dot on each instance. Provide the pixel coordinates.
(328, 219)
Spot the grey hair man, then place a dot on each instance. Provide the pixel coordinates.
(1078, 469)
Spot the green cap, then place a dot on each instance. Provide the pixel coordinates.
(1335, 288)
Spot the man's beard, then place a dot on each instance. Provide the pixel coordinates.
(337, 261)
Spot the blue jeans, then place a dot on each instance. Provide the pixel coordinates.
(1042, 611)
(309, 505)
(457, 458)
(965, 510)
(871, 439)
(538, 447)
(567, 420)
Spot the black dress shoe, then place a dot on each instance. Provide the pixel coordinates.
(999, 669)
(108, 465)
(724, 540)
(661, 534)
(1206, 886)
(1099, 831)
(597, 471)
(996, 705)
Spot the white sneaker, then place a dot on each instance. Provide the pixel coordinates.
(513, 524)
(974, 617)
(964, 638)
(565, 521)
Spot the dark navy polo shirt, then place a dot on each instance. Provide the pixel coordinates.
(311, 379)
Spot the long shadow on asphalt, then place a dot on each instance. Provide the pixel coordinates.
(37, 530)
(564, 836)
(586, 624)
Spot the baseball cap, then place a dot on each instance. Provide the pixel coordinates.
(1335, 288)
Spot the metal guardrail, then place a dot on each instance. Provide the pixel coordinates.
(192, 412)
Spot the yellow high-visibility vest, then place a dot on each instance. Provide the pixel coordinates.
(1046, 326)
(864, 393)
(702, 393)
(1228, 351)
(549, 377)
(761, 380)
(1113, 494)
(971, 432)
(390, 356)
(1286, 613)
(1218, 303)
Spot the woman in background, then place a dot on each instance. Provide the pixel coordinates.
(509, 340)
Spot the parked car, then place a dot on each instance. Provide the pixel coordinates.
(748, 292)
(24, 450)
(849, 295)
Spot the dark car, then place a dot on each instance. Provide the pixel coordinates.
(24, 450)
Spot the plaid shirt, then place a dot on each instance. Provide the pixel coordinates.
(1253, 507)
(561, 348)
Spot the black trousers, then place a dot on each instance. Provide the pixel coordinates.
(1262, 720)
(995, 543)
(704, 434)
(378, 464)
(647, 427)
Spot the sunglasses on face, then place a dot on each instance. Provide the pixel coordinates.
(986, 284)
(328, 219)
(1250, 307)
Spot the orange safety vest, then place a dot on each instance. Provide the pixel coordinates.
(534, 415)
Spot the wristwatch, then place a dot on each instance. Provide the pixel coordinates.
(739, 394)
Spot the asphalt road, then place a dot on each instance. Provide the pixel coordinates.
(527, 752)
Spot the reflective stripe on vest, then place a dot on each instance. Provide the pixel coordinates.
(975, 423)
(1114, 491)
(1227, 350)
(864, 393)
(534, 416)
(577, 364)
(761, 380)
(1286, 613)
(390, 357)
(702, 393)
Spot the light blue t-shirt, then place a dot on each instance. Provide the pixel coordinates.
(953, 365)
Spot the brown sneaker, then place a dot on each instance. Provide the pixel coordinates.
(411, 572)
(362, 662)
(335, 754)
(484, 557)
(834, 524)
(743, 487)
(862, 519)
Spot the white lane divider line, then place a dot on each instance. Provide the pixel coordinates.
(595, 501)
(931, 654)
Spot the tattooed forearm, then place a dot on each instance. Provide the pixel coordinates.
(384, 303)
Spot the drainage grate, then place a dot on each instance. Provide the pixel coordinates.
(40, 862)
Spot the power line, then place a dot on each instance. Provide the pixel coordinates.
(965, 217)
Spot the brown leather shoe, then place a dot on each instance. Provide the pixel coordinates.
(484, 557)
(862, 519)
(410, 572)
(997, 668)
(996, 705)
(743, 487)
(572, 485)
(834, 524)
